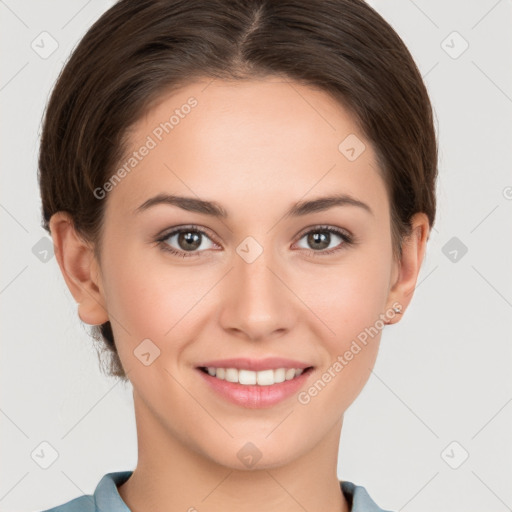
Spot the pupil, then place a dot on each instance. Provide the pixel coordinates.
(321, 239)
(192, 240)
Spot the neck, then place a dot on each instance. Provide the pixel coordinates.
(170, 475)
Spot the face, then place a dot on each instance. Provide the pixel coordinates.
(271, 285)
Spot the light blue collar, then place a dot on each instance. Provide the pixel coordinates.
(108, 499)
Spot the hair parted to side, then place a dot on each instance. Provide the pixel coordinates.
(139, 50)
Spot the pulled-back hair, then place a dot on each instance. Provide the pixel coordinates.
(139, 50)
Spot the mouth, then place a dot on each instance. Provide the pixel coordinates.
(255, 384)
(254, 378)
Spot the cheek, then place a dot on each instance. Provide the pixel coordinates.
(143, 298)
(350, 297)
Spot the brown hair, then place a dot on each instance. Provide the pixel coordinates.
(140, 49)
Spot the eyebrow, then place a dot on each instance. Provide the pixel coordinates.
(214, 209)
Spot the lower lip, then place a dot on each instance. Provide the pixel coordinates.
(253, 396)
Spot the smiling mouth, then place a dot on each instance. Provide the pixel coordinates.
(258, 378)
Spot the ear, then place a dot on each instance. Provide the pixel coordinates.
(409, 266)
(79, 268)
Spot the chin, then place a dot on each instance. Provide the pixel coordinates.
(253, 453)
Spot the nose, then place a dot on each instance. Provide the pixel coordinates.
(257, 301)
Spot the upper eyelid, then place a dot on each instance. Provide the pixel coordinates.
(173, 231)
(320, 227)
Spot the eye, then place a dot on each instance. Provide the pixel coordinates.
(321, 237)
(190, 241)
(187, 239)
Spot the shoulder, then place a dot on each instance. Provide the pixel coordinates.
(83, 503)
(106, 497)
(358, 498)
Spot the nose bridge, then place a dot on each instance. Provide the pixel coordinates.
(258, 302)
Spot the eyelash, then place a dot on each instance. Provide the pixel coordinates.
(347, 240)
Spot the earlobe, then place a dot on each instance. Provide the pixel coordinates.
(79, 269)
(413, 252)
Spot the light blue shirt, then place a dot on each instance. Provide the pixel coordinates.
(106, 497)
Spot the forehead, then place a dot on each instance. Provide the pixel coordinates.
(266, 140)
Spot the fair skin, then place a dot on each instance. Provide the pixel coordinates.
(255, 147)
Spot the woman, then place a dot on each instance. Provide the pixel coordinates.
(240, 196)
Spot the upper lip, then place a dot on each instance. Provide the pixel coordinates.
(245, 363)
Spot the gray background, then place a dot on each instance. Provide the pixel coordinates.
(441, 389)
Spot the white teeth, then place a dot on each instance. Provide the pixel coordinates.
(250, 378)
(265, 377)
(279, 375)
(290, 373)
(231, 375)
(247, 377)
